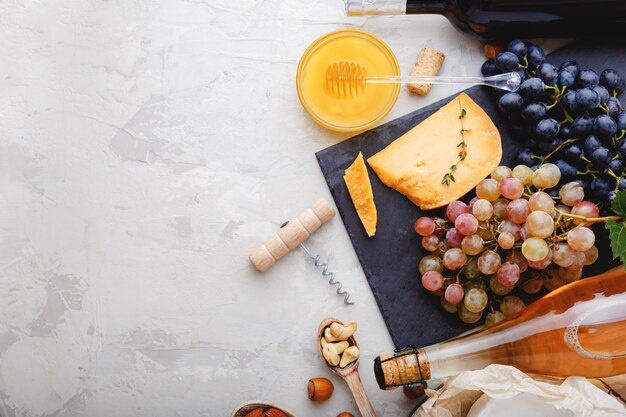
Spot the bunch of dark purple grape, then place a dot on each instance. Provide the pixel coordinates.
(568, 116)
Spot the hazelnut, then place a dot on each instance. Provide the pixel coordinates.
(320, 389)
(414, 391)
(344, 414)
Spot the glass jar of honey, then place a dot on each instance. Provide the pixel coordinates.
(341, 112)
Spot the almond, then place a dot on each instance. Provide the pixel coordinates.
(257, 412)
(274, 412)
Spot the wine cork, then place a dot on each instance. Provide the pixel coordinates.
(394, 371)
(429, 62)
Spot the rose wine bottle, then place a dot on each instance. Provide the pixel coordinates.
(506, 19)
(578, 329)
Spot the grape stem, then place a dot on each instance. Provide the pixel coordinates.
(588, 219)
(558, 148)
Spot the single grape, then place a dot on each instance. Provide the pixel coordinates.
(507, 61)
(535, 56)
(519, 259)
(443, 248)
(553, 280)
(489, 262)
(572, 153)
(541, 201)
(454, 293)
(482, 209)
(579, 260)
(494, 317)
(488, 189)
(506, 240)
(548, 73)
(470, 270)
(501, 172)
(568, 171)
(441, 227)
(524, 233)
(489, 68)
(568, 101)
(532, 286)
(467, 316)
(591, 255)
(566, 79)
(456, 208)
(546, 176)
(585, 209)
(431, 243)
(547, 128)
(517, 210)
(449, 308)
(571, 193)
(570, 275)
(511, 103)
(430, 263)
(518, 47)
(424, 226)
(508, 273)
(534, 249)
(621, 123)
(454, 259)
(540, 224)
(601, 157)
(466, 224)
(472, 245)
(562, 255)
(432, 280)
(510, 227)
(581, 238)
(497, 288)
(511, 306)
(612, 81)
(587, 99)
(616, 166)
(454, 238)
(542, 264)
(588, 78)
(601, 187)
(534, 112)
(475, 300)
(532, 88)
(582, 126)
(499, 208)
(614, 106)
(524, 174)
(511, 188)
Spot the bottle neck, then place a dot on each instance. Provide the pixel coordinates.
(372, 7)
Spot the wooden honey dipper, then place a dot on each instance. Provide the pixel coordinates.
(291, 235)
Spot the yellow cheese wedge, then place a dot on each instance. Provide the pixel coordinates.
(415, 163)
(360, 190)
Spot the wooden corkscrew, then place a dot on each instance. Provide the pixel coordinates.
(291, 235)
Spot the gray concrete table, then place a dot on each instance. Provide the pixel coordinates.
(146, 147)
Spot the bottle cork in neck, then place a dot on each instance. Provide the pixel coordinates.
(402, 369)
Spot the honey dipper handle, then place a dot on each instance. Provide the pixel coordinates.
(358, 392)
(291, 235)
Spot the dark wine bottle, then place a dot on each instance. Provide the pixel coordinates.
(506, 19)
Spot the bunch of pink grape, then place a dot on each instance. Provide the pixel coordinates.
(513, 234)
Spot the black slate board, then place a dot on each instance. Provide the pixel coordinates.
(391, 258)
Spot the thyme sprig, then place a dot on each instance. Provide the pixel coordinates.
(448, 178)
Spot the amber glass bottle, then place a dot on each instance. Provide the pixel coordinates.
(579, 329)
(506, 19)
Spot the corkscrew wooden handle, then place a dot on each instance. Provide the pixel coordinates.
(291, 235)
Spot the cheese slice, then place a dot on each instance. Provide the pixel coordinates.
(360, 190)
(416, 163)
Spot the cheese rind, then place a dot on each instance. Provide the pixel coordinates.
(360, 189)
(415, 163)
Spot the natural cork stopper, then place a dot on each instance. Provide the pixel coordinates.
(394, 371)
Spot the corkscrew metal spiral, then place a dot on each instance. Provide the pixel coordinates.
(328, 274)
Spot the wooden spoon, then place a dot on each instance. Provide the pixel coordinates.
(350, 373)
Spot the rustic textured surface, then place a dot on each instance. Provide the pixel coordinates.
(147, 146)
